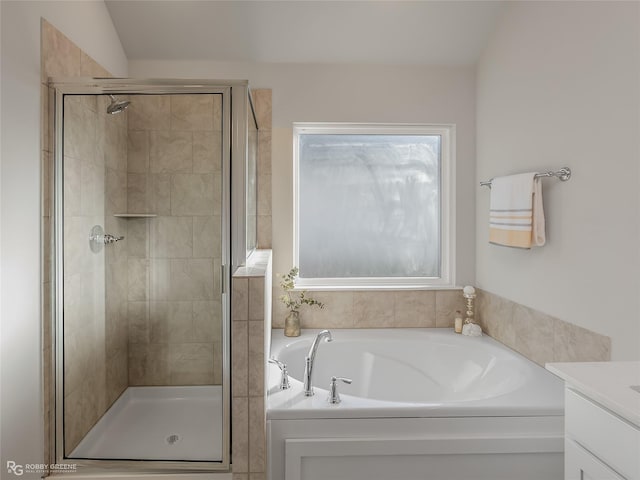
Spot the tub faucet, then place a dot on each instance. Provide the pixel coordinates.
(309, 359)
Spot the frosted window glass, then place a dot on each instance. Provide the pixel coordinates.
(369, 206)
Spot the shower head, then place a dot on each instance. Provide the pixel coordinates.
(117, 106)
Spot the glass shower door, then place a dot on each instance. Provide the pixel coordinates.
(143, 246)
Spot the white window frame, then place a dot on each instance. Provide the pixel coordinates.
(447, 205)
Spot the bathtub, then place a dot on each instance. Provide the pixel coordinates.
(424, 404)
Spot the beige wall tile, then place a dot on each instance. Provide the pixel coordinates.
(240, 429)
(192, 279)
(138, 279)
(264, 231)
(534, 334)
(138, 151)
(373, 309)
(72, 186)
(495, 315)
(170, 152)
(240, 476)
(90, 68)
(257, 476)
(160, 202)
(116, 191)
(256, 363)
(196, 194)
(257, 440)
(148, 364)
(171, 237)
(337, 312)
(447, 302)
(115, 147)
(137, 237)
(262, 105)
(264, 152)
(191, 363)
(572, 343)
(240, 299)
(207, 321)
(150, 112)
(117, 373)
(264, 195)
(159, 279)
(256, 298)
(206, 236)
(138, 319)
(192, 112)
(207, 152)
(240, 358)
(60, 56)
(79, 130)
(415, 308)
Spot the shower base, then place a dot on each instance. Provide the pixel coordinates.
(158, 423)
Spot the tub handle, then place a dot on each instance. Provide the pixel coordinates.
(284, 379)
(334, 396)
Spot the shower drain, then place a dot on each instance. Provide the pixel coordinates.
(173, 439)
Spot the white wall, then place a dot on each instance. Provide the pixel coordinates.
(351, 93)
(558, 84)
(89, 25)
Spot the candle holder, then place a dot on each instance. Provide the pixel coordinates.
(470, 298)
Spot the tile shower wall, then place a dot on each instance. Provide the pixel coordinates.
(95, 334)
(101, 369)
(174, 172)
(262, 104)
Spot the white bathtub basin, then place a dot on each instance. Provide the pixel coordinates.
(423, 372)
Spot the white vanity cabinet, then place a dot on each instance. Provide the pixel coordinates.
(602, 420)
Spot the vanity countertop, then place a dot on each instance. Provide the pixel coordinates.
(608, 383)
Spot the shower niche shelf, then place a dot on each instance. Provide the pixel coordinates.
(135, 215)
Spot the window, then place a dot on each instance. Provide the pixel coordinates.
(373, 205)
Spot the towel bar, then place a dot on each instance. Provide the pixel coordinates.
(563, 174)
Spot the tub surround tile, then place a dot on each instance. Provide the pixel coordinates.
(264, 194)
(447, 302)
(256, 298)
(415, 308)
(373, 309)
(262, 105)
(264, 152)
(533, 334)
(240, 299)
(240, 358)
(576, 344)
(256, 365)
(257, 437)
(336, 313)
(264, 231)
(538, 336)
(240, 428)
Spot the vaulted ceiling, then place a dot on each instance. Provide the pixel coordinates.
(380, 32)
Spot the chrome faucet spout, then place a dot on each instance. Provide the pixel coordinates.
(310, 359)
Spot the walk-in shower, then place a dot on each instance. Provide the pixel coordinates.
(146, 235)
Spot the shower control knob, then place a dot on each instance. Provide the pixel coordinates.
(108, 238)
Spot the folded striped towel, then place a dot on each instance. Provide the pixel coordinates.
(516, 211)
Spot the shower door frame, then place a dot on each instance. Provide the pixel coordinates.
(234, 139)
